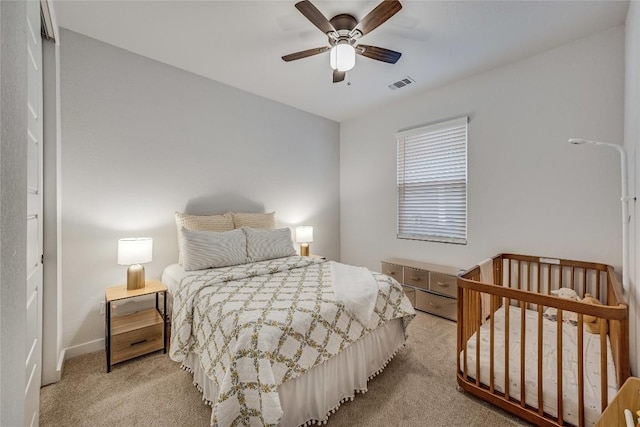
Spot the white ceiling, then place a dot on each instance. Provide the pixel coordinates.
(240, 43)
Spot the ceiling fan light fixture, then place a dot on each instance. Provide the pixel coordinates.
(342, 57)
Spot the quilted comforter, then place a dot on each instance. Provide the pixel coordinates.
(255, 326)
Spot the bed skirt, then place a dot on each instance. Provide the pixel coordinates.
(312, 397)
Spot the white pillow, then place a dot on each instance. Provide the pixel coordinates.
(212, 249)
(201, 222)
(268, 244)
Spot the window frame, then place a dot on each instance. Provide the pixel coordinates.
(456, 234)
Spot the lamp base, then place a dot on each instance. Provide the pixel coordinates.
(304, 249)
(135, 277)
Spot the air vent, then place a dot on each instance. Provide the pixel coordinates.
(401, 83)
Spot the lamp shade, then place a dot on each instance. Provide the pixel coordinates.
(136, 250)
(304, 234)
(342, 57)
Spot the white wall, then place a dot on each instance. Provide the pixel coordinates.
(141, 140)
(632, 144)
(529, 190)
(13, 210)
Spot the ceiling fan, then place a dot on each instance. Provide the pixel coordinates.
(343, 31)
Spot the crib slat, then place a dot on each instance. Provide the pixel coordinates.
(584, 281)
(522, 349)
(519, 274)
(478, 323)
(540, 382)
(559, 367)
(548, 280)
(604, 398)
(507, 332)
(467, 325)
(598, 284)
(573, 278)
(539, 272)
(491, 337)
(580, 370)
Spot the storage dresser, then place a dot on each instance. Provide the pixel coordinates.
(429, 287)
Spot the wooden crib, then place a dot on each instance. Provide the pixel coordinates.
(551, 373)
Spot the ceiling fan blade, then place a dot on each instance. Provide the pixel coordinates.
(338, 76)
(304, 53)
(315, 16)
(378, 53)
(379, 15)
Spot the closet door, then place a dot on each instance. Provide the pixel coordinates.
(34, 217)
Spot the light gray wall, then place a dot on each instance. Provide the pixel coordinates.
(141, 140)
(529, 191)
(13, 210)
(632, 144)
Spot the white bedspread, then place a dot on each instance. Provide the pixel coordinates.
(255, 326)
(356, 288)
(592, 376)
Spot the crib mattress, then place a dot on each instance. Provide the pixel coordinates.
(592, 377)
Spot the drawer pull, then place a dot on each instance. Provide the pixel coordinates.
(434, 305)
(442, 284)
(414, 278)
(138, 342)
(391, 273)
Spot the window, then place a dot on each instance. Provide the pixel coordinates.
(432, 182)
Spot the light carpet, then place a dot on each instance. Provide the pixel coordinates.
(417, 388)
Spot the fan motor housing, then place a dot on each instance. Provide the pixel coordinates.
(344, 22)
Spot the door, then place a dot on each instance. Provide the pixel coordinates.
(34, 216)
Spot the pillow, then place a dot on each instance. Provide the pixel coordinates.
(268, 244)
(212, 249)
(201, 222)
(254, 220)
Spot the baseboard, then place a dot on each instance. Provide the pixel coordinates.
(61, 364)
(80, 349)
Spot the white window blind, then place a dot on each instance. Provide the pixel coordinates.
(432, 182)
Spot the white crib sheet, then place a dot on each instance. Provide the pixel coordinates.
(592, 377)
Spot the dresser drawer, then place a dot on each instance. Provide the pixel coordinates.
(137, 342)
(410, 293)
(392, 270)
(417, 278)
(440, 306)
(443, 284)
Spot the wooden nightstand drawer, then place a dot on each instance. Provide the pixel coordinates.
(443, 284)
(415, 277)
(440, 306)
(392, 270)
(136, 334)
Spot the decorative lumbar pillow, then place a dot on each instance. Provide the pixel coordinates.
(254, 220)
(201, 222)
(268, 244)
(212, 249)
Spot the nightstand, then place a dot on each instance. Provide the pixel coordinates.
(135, 334)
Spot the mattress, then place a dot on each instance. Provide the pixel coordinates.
(592, 377)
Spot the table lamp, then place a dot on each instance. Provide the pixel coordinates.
(133, 252)
(304, 236)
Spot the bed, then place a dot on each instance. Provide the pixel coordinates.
(273, 343)
(552, 370)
